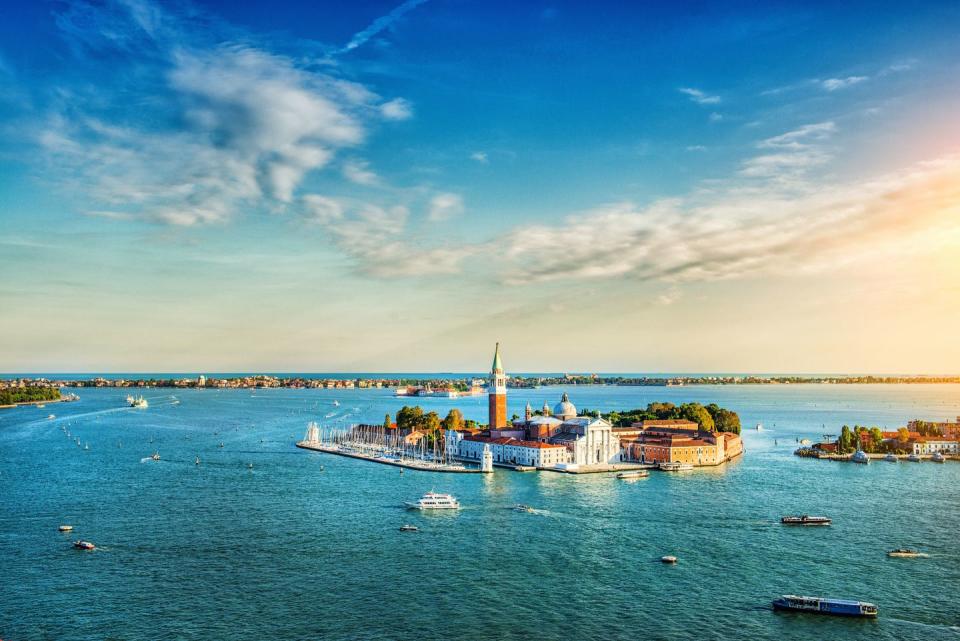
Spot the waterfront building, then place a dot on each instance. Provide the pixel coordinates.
(924, 445)
(506, 450)
(497, 393)
(666, 441)
(949, 430)
(201, 381)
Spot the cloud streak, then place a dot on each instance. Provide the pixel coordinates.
(699, 97)
(380, 24)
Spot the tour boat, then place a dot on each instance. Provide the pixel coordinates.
(409, 528)
(860, 457)
(891, 458)
(913, 458)
(84, 545)
(938, 458)
(805, 519)
(65, 528)
(675, 466)
(635, 474)
(819, 605)
(904, 553)
(435, 501)
(668, 559)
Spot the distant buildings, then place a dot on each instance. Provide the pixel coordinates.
(678, 440)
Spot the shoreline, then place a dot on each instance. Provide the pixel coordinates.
(317, 447)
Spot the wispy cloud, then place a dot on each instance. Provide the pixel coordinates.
(381, 23)
(699, 97)
(397, 109)
(832, 84)
(480, 156)
(234, 127)
(739, 231)
(359, 172)
(445, 206)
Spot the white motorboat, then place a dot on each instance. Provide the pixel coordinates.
(905, 553)
(409, 528)
(891, 458)
(675, 466)
(860, 457)
(633, 474)
(139, 402)
(435, 501)
(65, 528)
(520, 507)
(668, 559)
(938, 458)
(913, 458)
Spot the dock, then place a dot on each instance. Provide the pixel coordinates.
(412, 464)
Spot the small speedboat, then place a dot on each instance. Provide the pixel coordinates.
(197, 462)
(805, 519)
(520, 507)
(913, 458)
(50, 417)
(938, 458)
(891, 458)
(155, 456)
(860, 457)
(409, 528)
(84, 545)
(668, 559)
(905, 553)
(633, 474)
(65, 528)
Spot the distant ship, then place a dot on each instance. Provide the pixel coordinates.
(818, 605)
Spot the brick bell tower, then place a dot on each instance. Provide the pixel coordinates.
(497, 393)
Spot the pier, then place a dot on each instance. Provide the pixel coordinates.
(413, 464)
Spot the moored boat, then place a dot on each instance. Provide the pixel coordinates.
(84, 545)
(409, 528)
(805, 519)
(819, 605)
(435, 501)
(860, 457)
(633, 474)
(675, 466)
(913, 458)
(905, 553)
(938, 458)
(891, 458)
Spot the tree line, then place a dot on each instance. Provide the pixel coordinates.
(9, 396)
(709, 418)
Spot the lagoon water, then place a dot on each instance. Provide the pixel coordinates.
(306, 546)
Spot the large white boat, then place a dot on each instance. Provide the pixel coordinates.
(675, 466)
(435, 501)
(138, 401)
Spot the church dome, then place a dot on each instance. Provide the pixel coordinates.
(564, 409)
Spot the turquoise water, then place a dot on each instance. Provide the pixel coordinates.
(305, 546)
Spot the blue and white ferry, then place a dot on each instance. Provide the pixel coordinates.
(819, 605)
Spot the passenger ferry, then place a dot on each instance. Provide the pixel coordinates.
(435, 501)
(804, 519)
(675, 466)
(635, 474)
(818, 605)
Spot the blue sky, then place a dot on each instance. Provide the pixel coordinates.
(395, 186)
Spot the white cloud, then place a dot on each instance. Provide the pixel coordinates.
(221, 130)
(480, 156)
(381, 23)
(832, 84)
(699, 97)
(359, 172)
(397, 109)
(696, 148)
(445, 206)
(716, 117)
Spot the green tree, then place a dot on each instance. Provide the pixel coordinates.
(386, 422)
(903, 435)
(876, 438)
(453, 421)
(845, 440)
(409, 418)
(725, 420)
(430, 423)
(698, 413)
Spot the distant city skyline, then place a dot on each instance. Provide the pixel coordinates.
(394, 187)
